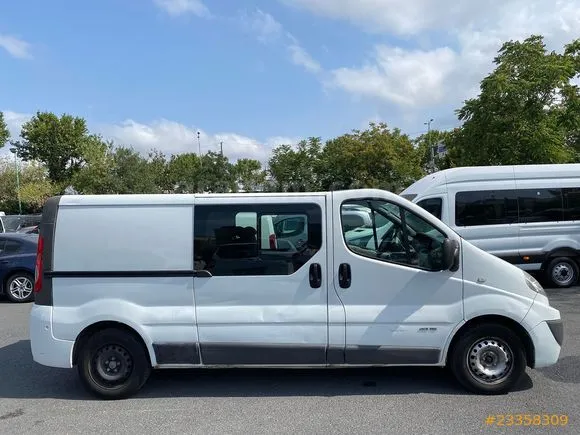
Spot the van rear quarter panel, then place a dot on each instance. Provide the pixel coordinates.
(125, 238)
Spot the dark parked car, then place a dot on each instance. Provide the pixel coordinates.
(17, 263)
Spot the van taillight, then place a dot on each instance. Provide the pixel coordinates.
(38, 266)
(272, 240)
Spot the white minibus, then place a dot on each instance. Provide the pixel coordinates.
(130, 283)
(527, 215)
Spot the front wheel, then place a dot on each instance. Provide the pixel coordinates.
(488, 359)
(112, 364)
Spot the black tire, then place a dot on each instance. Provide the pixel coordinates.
(115, 346)
(562, 272)
(25, 288)
(501, 341)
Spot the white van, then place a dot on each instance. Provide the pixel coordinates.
(527, 215)
(130, 283)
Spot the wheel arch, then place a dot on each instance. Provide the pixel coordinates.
(571, 253)
(515, 326)
(91, 329)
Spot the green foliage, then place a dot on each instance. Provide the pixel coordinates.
(376, 158)
(249, 175)
(35, 187)
(4, 133)
(57, 142)
(527, 111)
(296, 170)
(184, 173)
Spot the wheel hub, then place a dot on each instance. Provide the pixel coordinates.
(562, 273)
(113, 364)
(490, 361)
(21, 288)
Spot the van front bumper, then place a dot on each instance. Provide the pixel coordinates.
(547, 337)
(46, 349)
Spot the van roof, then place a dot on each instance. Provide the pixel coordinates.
(494, 173)
(176, 199)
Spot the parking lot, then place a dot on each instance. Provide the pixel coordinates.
(37, 399)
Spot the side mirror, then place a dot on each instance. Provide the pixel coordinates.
(451, 255)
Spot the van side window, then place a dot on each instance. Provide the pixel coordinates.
(486, 207)
(269, 239)
(571, 203)
(540, 205)
(396, 236)
(432, 205)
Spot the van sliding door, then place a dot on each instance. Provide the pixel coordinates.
(260, 286)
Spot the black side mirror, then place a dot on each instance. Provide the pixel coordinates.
(451, 255)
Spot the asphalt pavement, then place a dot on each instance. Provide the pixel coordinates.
(37, 399)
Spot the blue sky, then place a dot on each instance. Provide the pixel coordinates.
(255, 73)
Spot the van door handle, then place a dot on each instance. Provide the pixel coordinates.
(315, 275)
(344, 277)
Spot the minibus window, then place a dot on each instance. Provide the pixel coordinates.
(540, 205)
(487, 207)
(571, 203)
(432, 205)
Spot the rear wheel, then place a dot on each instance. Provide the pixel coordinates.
(562, 272)
(488, 359)
(113, 364)
(19, 287)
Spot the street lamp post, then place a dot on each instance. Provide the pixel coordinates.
(431, 151)
(13, 151)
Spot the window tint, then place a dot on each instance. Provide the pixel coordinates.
(272, 239)
(9, 247)
(405, 239)
(290, 226)
(571, 203)
(540, 205)
(489, 207)
(432, 205)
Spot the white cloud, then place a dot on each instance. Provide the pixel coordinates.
(14, 121)
(263, 25)
(174, 138)
(302, 58)
(183, 7)
(445, 73)
(267, 29)
(404, 77)
(16, 47)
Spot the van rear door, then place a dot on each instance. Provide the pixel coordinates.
(257, 304)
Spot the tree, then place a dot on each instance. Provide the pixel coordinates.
(35, 187)
(96, 176)
(184, 173)
(217, 174)
(249, 175)
(57, 142)
(527, 110)
(4, 133)
(132, 173)
(375, 158)
(297, 169)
